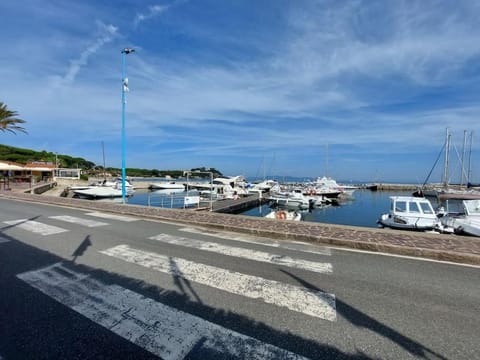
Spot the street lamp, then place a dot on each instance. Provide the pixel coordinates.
(125, 52)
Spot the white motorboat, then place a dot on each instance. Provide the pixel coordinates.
(467, 222)
(292, 199)
(284, 215)
(172, 185)
(98, 192)
(409, 213)
(264, 186)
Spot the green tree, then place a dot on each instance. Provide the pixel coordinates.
(9, 120)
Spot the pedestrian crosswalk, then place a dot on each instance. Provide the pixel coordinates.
(113, 216)
(289, 245)
(44, 229)
(36, 227)
(314, 303)
(160, 329)
(77, 220)
(168, 332)
(245, 253)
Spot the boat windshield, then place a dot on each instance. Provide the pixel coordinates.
(472, 207)
(426, 208)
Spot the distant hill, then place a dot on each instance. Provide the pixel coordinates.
(24, 156)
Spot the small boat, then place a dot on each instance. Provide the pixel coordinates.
(409, 213)
(172, 185)
(467, 222)
(284, 215)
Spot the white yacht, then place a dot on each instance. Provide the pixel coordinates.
(172, 185)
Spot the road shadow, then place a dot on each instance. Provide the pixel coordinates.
(179, 280)
(80, 250)
(361, 319)
(68, 334)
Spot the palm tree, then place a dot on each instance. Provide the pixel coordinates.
(9, 120)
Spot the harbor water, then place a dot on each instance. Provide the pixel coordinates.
(362, 209)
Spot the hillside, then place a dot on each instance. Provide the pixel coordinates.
(24, 156)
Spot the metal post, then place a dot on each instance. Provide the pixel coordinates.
(125, 52)
(211, 191)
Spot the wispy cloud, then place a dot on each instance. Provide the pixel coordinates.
(106, 33)
(152, 11)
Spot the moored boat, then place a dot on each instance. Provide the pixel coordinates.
(409, 213)
(467, 222)
(281, 214)
(98, 192)
(166, 185)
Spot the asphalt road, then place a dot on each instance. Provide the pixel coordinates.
(82, 285)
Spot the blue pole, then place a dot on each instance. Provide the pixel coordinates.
(125, 52)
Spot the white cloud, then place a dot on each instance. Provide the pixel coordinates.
(106, 34)
(151, 12)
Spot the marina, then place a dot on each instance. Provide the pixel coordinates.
(319, 201)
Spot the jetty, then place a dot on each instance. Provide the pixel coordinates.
(232, 206)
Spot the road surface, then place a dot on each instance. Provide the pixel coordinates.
(79, 284)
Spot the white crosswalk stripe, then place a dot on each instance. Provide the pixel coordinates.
(112, 216)
(77, 220)
(36, 227)
(290, 245)
(307, 301)
(162, 330)
(245, 253)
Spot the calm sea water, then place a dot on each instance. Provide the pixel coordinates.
(362, 210)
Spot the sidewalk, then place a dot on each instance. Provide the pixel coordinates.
(444, 247)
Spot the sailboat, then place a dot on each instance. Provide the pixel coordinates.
(449, 191)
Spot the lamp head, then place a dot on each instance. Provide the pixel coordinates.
(128, 50)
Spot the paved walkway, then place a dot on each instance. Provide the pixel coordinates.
(435, 246)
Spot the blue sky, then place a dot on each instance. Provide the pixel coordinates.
(357, 90)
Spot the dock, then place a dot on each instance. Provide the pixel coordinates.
(232, 206)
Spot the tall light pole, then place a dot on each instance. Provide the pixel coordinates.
(125, 52)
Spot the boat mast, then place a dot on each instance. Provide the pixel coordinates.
(469, 169)
(326, 160)
(447, 153)
(463, 172)
(104, 170)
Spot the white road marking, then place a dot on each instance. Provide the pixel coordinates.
(36, 227)
(290, 245)
(162, 330)
(77, 220)
(112, 216)
(324, 268)
(307, 301)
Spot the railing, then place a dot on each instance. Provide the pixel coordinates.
(176, 201)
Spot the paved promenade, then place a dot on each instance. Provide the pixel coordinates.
(444, 247)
